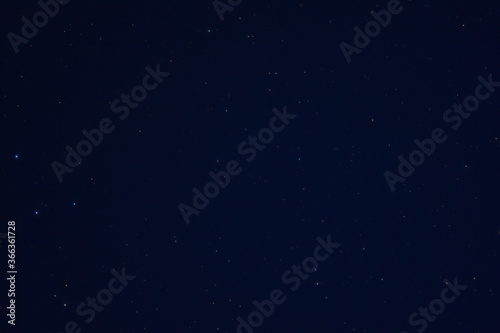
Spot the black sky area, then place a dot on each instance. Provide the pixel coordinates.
(385, 143)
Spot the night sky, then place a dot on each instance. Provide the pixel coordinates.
(250, 166)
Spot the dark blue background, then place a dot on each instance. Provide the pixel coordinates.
(322, 175)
